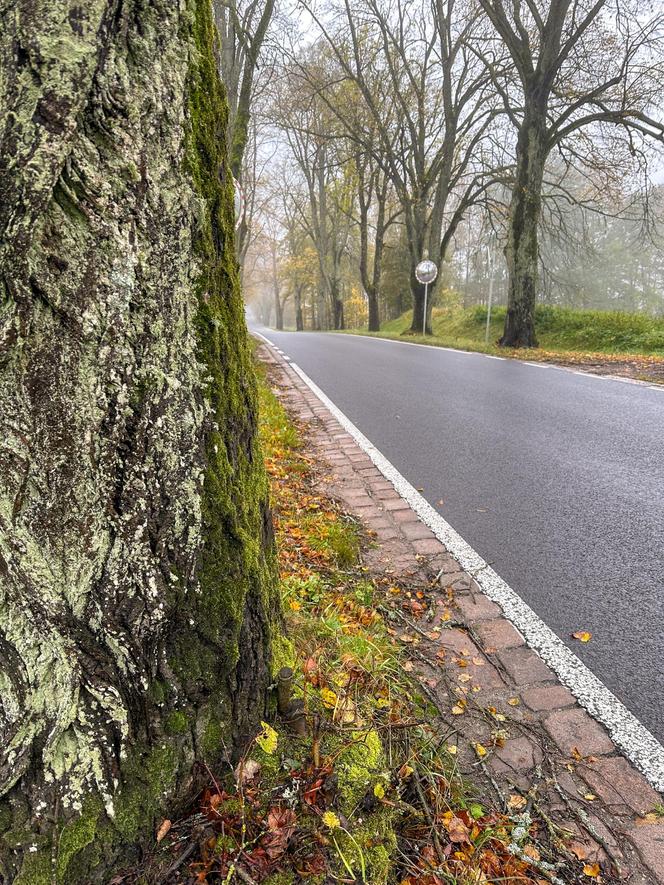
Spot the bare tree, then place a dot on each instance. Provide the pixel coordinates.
(584, 74)
(430, 101)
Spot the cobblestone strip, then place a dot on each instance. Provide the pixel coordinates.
(497, 693)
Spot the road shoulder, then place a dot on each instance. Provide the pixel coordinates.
(516, 726)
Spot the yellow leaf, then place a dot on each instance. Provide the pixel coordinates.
(480, 750)
(329, 698)
(590, 797)
(583, 635)
(452, 750)
(267, 739)
(513, 702)
(379, 791)
(294, 605)
(591, 870)
(457, 710)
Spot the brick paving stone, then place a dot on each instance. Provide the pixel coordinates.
(519, 754)
(387, 533)
(383, 485)
(459, 642)
(575, 730)
(379, 522)
(461, 584)
(450, 566)
(649, 841)
(548, 697)
(416, 531)
(615, 781)
(384, 494)
(406, 516)
(477, 608)
(500, 634)
(427, 547)
(525, 667)
(397, 504)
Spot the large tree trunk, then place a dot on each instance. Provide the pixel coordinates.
(522, 245)
(374, 315)
(136, 562)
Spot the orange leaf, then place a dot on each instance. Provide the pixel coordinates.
(583, 635)
(163, 830)
(591, 870)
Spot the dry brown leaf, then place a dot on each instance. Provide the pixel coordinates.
(531, 852)
(579, 849)
(457, 830)
(163, 829)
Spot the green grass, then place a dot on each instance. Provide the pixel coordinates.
(558, 329)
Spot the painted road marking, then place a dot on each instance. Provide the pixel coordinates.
(633, 738)
(491, 356)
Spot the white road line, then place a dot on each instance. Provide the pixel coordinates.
(628, 734)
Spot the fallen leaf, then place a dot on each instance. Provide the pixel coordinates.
(591, 870)
(457, 830)
(163, 829)
(513, 702)
(452, 750)
(267, 739)
(583, 635)
(379, 791)
(531, 852)
(480, 750)
(515, 801)
(579, 849)
(247, 771)
(457, 710)
(590, 797)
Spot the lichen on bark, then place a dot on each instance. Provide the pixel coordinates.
(136, 561)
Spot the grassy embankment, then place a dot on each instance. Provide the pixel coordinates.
(564, 335)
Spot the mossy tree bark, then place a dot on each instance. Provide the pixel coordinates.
(136, 552)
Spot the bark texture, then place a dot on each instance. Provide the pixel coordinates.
(136, 561)
(522, 245)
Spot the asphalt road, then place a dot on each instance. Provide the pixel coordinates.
(555, 478)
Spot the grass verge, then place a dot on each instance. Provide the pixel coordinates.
(610, 342)
(353, 777)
